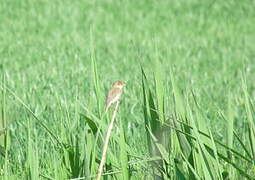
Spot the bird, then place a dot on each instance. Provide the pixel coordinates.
(114, 94)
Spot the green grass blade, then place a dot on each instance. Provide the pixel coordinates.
(3, 118)
(243, 145)
(159, 87)
(33, 114)
(32, 159)
(194, 174)
(218, 165)
(250, 119)
(180, 113)
(96, 79)
(123, 154)
(230, 133)
(93, 126)
(230, 125)
(202, 158)
(150, 114)
(236, 153)
(146, 112)
(220, 155)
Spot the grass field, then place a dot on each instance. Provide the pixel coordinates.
(187, 111)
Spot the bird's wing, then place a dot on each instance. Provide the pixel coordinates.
(113, 95)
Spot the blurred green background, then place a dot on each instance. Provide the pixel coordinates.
(47, 47)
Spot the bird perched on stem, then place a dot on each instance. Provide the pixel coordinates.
(114, 94)
(113, 97)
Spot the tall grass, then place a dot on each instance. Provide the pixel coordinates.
(197, 155)
(179, 140)
(186, 113)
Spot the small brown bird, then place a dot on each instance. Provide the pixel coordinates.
(114, 94)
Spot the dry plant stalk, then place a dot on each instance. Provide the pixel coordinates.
(106, 142)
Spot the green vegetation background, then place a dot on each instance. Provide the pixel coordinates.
(46, 53)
